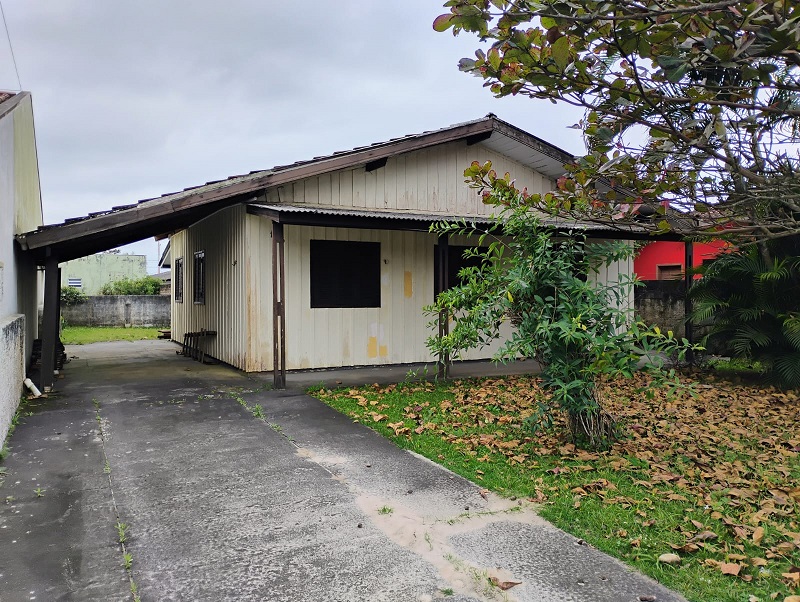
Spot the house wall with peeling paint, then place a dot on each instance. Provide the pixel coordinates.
(394, 333)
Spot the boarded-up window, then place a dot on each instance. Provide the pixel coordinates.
(199, 283)
(178, 280)
(670, 272)
(345, 274)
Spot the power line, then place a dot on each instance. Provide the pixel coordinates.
(10, 46)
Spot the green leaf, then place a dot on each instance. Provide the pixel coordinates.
(560, 50)
(494, 58)
(443, 22)
(547, 22)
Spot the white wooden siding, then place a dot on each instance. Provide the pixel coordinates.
(238, 251)
(391, 334)
(612, 274)
(425, 181)
(223, 238)
(258, 294)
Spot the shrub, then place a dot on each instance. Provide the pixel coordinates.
(750, 297)
(147, 285)
(72, 296)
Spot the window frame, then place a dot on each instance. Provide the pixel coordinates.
(199, 278)
(455, 262)
(344, 274)
(178, 279)
(668, 267)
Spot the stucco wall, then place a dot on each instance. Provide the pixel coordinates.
(102, 268)
(12, 368)
(119, 310)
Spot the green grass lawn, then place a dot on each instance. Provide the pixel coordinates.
(81, 335)
(713, 478)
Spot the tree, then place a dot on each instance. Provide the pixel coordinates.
(579, 329)
(691, 101)
(146, 285)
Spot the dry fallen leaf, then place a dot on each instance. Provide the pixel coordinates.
(504, 585)
(730, 568)
(669, 559)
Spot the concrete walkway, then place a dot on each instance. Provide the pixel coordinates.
(217, 504)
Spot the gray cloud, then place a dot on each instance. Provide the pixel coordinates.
(136, 99)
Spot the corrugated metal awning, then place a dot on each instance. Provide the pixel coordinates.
(385, 219)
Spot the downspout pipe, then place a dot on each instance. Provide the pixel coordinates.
(31, 387)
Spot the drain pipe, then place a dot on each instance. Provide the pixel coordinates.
(31, 387)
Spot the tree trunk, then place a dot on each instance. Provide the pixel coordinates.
(594, 428)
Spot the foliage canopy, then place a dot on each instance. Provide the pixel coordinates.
(692, 101)
(147, 285)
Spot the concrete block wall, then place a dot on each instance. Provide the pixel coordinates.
(660, 303)
(119, 310)
(12, 368)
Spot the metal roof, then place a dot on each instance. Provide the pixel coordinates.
(409, 220)
(122, 224)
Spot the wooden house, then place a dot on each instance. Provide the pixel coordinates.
(327, 262)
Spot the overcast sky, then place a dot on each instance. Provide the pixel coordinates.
(137, 99)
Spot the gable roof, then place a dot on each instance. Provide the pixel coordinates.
(124, 224)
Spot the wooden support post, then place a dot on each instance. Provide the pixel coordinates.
(442, 249)
(50, 319)
(688, 261)
(278, 306)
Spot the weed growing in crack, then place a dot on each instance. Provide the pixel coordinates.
(258, 411)
(447, 591)
(275, 427)
(21, 412)
(107, 468)
(385, 510)
(134, 590)
(39, 492)
(122, 532)
(480, 578)
(127, 560)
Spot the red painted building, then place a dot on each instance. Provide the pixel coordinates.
(661, 260)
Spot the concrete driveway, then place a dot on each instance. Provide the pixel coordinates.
(217, 504)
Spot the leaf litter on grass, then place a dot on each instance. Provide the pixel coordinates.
(712, 476)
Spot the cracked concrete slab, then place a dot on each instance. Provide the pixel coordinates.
(296, 504)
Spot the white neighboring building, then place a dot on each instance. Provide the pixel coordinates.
(20, 211)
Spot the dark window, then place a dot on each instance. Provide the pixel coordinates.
(199, 284)
(179, 280)
(345, 274)
(455, 262)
